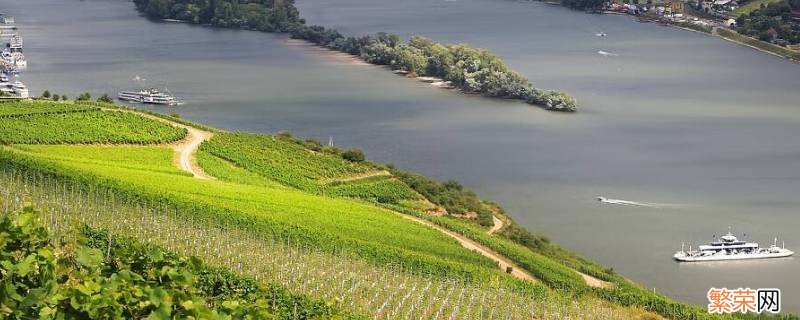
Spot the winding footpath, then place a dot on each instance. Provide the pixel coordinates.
(503, 262)
(186, 149)
(498, 224)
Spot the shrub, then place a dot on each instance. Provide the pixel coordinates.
(354, 155)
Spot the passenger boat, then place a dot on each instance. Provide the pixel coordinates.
(148, 96)
(20, 89)
(731, 248)
(15, 88)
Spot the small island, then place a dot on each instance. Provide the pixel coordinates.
(469, 69)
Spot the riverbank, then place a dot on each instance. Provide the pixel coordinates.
(759, 45)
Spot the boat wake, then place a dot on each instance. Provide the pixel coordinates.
(636, 203)
(607, 54)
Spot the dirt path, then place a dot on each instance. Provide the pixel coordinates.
(468, 244)
(592, 281)
(367, 175)
(498, 224)
(185, 149)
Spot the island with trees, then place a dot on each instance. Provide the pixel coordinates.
(469, 69)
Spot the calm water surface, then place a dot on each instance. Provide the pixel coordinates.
(703, 126)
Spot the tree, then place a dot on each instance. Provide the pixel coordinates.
(56, 97)
(354, 155)
(84, 97)
(105, 98)
(158, 8)
(410, 59)
(46, 94)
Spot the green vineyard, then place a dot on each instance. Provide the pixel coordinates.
(79, 126)
(284, 228)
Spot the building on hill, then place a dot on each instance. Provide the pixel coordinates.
(675, 6)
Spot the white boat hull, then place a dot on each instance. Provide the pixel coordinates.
(745, 256)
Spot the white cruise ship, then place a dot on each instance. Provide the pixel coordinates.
(148, 96)
(16, 88)
(731, 248)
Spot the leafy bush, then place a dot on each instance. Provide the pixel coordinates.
(41, 280)
(354, 155)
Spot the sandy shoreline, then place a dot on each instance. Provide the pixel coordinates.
(348, 59)
(332, 55)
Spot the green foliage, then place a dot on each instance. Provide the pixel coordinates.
(135, 281)
(382, 190)
(11, 109)
(583, 4)
(105, 99)
(269, 16)
(227, 171)
(354, 155)
(220, 288)
(555, 275)
(449, 195)
(304, 165)
(467, 68)
(281, 158)
(773, 20)
(543, 246)
(73, 281)
(328, 224)
(84, 97)
(86, 127)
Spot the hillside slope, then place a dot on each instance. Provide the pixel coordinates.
(276, 212)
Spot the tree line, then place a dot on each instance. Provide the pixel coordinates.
(470, 69)
(261, 15)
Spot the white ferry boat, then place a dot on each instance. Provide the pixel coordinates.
(731, 248)
(148, 96)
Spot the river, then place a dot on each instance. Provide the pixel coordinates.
(702, 126)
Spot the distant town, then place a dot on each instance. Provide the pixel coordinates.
(768, 25)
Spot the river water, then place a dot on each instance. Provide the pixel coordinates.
(705, 129)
